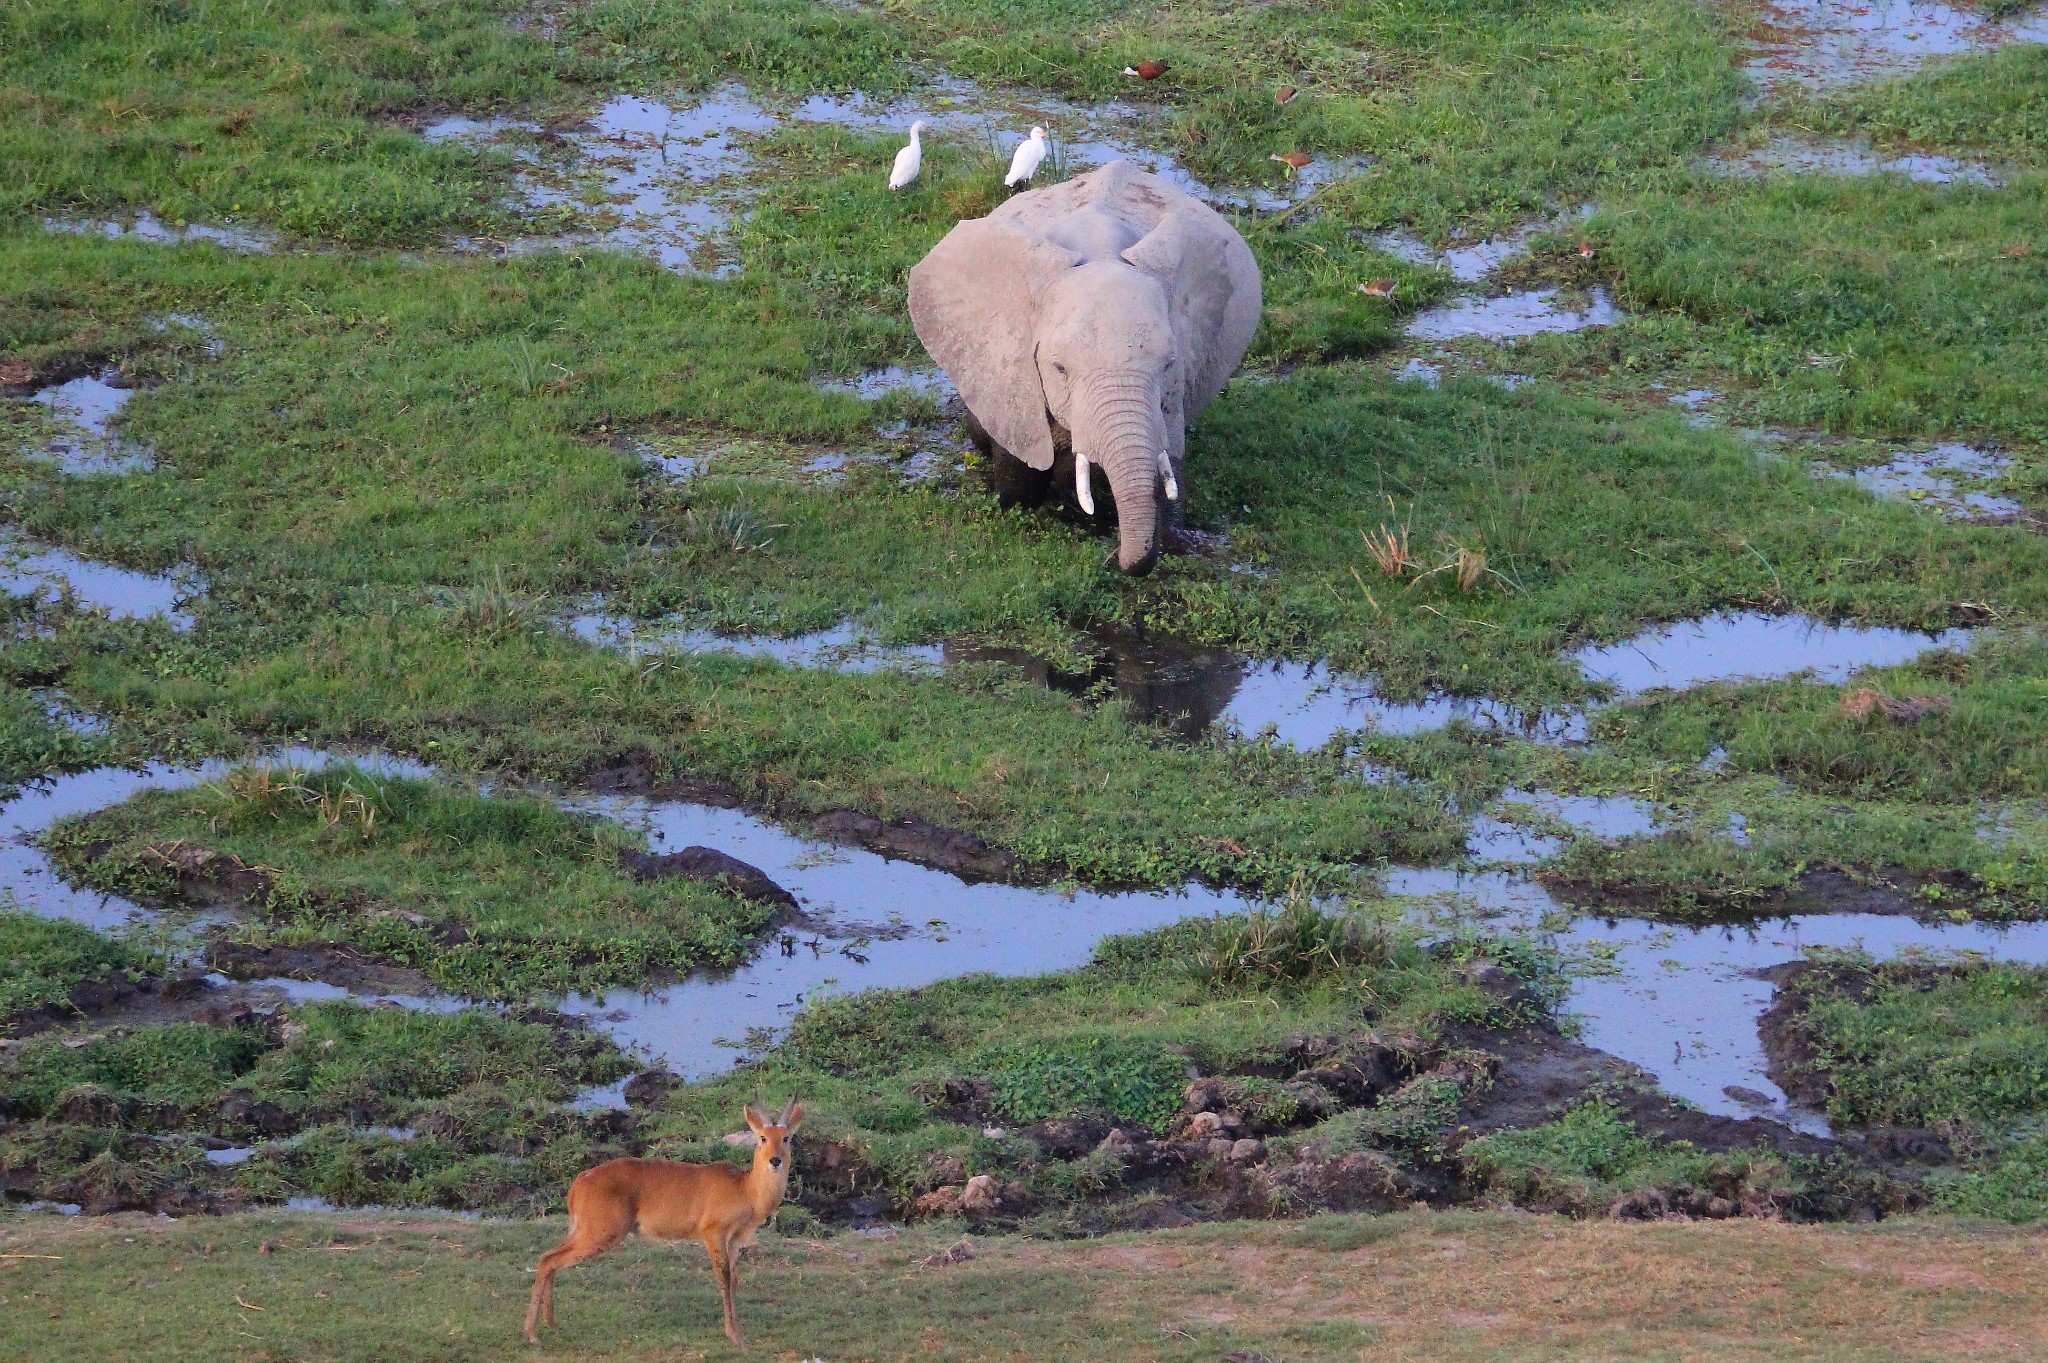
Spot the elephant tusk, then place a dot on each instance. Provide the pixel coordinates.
(1084, 491)
(1166, 472)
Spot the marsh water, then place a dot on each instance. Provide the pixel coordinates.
(1190, 689)
(30, 567)
(1681, 1003)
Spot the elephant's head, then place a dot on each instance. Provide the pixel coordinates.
(1112, 305)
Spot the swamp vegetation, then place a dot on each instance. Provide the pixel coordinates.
(398, 404)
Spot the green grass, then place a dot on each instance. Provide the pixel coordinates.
(116, 1117)
(499, 897)
(1869, 304)
(44, 959)
(1592, 1155)
(225, 110)
(1903, 1045)
(1954, 1048)
(1994, 101)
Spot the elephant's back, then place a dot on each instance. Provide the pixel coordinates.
(1139, 198)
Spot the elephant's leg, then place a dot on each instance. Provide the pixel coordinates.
(1014, 482)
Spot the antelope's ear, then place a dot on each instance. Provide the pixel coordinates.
(792, 1117)
(757, 1120)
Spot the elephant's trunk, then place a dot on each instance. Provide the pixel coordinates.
(1125, 432)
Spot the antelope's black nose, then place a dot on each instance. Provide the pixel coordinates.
(775, 1161)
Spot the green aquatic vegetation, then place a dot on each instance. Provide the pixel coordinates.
(258, 111)
(1592, 1154)
(1859, 305)
(35, 742)
(321, 1062)
(499, 896)
(2010, 1184)
(1909, 1043)
(41, 959)
(1125, 1079)
(1975, 726)
(393, 1058)
(1995, 101)
(881, 1070)
(181, 1065)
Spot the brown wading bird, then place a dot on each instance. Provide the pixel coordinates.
(1284, 93)
(714, 1203)
(1293, 160)
(1377, 288)
(1146, 70)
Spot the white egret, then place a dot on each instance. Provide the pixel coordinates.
(910, 160)
(1030, 153)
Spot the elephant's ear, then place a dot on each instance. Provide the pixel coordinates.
(974, 302)
(1212, 288)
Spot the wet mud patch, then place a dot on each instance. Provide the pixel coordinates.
(669, 181)
(1789, 155)
(147, 226)
(331, 963)
(1950, 478)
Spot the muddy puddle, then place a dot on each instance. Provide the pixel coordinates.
(1189, 689)
(668, 180)
(31, 568)
(1515, 315)
(1946, 478)
(921, 381)
(844, 647)
(1820, 43)
(1470, 262)
(82, 442)
(1753, 647)
(147, 226)
(1802, 156)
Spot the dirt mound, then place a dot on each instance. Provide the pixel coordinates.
(913, 839)
(712, 867)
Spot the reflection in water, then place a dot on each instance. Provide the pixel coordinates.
(1182, 688)
(1188, 688)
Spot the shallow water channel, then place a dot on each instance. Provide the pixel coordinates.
(1189, 688)
(1679, 1002)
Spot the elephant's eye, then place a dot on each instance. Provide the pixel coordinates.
(1059, 369)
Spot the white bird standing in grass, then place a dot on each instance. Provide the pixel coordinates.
(909, 160)
(1030, 154)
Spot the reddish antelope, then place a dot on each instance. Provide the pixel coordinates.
(714, 1203)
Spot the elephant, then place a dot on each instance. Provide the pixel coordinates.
(1085, 324)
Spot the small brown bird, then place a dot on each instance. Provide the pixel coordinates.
(1284, 94)
(1147, 70)
(1377, 288)
(1585, 250)
(1293, 160)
